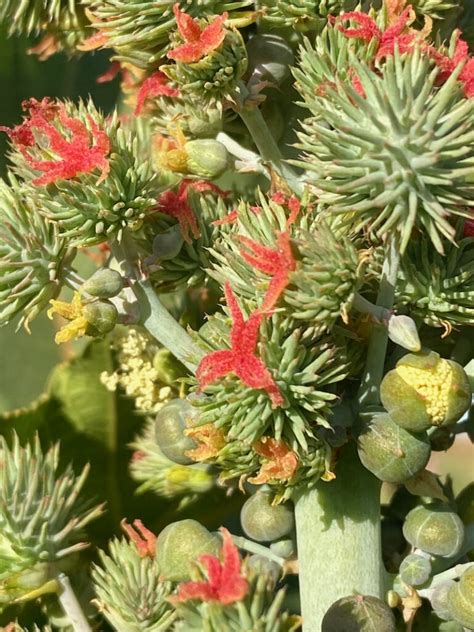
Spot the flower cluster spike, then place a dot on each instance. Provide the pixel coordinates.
(240, 359)
(32, 256)
(42, 514)
(225, 582)
(145, 47)
(167, 479)
(398, 159)
(154, 86)
(130, 593)
(438, 289)
(85, 210)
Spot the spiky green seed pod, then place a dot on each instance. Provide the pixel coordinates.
(326, 278)
(391, 453)
(181, 544)
(434, 529)
(303, 373)
(262, 521)
(261, 609)
(425, 390)
(171, 422)
(216, 75)
(415, 569)
(130, 592)
(439, 289)
(65, 22)
(87, 209)
(461, 599)
(303, 15)
(41, 518)
(358, 613)
(104, 283)
(405, 126)
(33, 257)
(158, 474)
(144, 47)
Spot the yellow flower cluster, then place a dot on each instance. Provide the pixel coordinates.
(135, 372)
(433, 385)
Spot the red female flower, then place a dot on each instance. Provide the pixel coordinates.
(280, 463)
(225, 583)
(198, 42)
(292, 202)
(143, 538)
(277, 262)
(240, 358)
(78, 151)
(176, 204)
(154, 86)
(448, 65)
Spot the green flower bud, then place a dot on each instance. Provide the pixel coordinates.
(166, 245)
(285, 548)
(393, 454)
(434, 529)
(104, 283)
(170, 424)
(206, 158)
(439, 600)
(181, 544)
(425, 390)
(168, 368)
(263, 521)
(402, 331)
(270, 58)
(205, 124)
(461, 599)
(415, 569)
(358, 613)
(101, 316)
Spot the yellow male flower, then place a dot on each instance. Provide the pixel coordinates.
(74, 312)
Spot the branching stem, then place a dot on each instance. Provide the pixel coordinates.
(71, 606)
(257, 549)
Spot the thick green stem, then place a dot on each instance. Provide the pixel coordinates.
(267, 146)
(153, 315)
(374, 367)
(338, 536)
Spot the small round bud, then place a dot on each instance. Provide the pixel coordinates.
(168, 368)
(390, 452)
(284, 548)
(439, 600)
(425, 390)
(263, 521)
(270, 58)
(101, 316)
(206, 158)
(261, 565)
(415, 570)
(181, 544)
(166, 245)
(171, 422)
(358, 613)
(434, 529)
(461, 599)
(104, 283)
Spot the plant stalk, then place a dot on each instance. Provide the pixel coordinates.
(71, 606)
(339, 542)
(153, 315)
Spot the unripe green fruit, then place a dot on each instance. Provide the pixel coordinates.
(166, 245)
(425, 390)
(263, 521)
(104, 283)
(284, 548)
(415, 569)
(206, 158)
(434, 529)
(358, 613)
(101, 316)
(181, 544)
(461, 599)
(439, 600)
(171, 422)
(391, 453)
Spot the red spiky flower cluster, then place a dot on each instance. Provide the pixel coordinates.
(225, 583)
(154, 86)
(78, 149)
(240, 358)
(143, 538)
(197, 42)
(176, 204)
